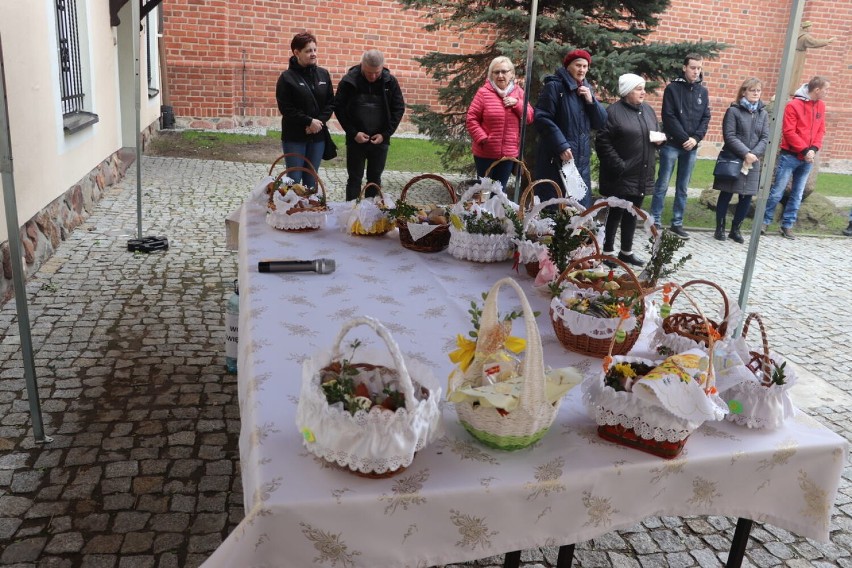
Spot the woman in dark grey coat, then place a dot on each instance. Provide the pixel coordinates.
(745, 129)
(627, 160)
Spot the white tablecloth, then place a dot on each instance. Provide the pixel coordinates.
(459, 500)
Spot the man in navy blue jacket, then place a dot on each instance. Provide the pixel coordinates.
(686, 115)
(565, 114)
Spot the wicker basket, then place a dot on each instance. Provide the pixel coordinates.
(439, 237)
(635, 422)
(350, 222)
(524, 177)
(476, 246)
(603, 341)
(296, 219)
(376, 443)
(626, 282)
(691, 325)
(530, 248)
(759, 402)
(532, 418)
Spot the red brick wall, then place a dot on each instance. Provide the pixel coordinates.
(225, 57)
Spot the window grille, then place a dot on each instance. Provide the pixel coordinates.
(70, 72)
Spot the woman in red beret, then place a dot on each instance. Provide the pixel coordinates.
(565, 115)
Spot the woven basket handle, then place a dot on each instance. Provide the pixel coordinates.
(532, 370)
(367, 186)
(723, 327)
(537, 209)
(525, 173)
(435, 177)
(458, 207)
(601, 203)
(393, 348)
(292, 155)
(529, 194)
(286, 171)
(577, 262)
(766, 362)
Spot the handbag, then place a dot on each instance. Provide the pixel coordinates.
(330, 150)
(728, 166)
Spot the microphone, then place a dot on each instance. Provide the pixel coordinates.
(320, 266)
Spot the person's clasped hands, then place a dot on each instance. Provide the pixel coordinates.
(363, 138)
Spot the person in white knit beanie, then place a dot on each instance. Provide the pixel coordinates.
(628, 82)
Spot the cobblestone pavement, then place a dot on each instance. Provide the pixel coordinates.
(143, 468)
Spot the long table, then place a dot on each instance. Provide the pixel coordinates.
(460, 501)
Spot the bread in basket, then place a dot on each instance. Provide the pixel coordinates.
(383, 408)
(424, 227)
(292, 206)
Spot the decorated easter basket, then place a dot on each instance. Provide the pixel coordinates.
(360, 434)
(367, 216)
(578, 235)
(654, 406)
(762, 398)
(643, 219)
(592, 333)
(494, 219)
(529, 420)
(292, 206)
(684, 330)
(424, 237)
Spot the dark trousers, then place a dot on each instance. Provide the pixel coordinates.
(375, 156)
(626, 220)
(739, 213)
(499, 173)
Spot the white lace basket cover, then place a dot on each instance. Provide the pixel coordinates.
(752, 404)
(661, 419)
(532, 250)
(477, 247)
(534, 415)
(299, 220)
(584, 324)
(373, 442)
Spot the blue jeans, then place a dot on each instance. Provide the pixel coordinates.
(685, 163)
(312, 151)
(788, 166)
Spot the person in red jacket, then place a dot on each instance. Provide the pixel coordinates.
(494, 120)
(802, 132)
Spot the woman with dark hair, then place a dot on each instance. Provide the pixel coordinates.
(745, 130)
(627, 161)
(305, 98)
(494, 120)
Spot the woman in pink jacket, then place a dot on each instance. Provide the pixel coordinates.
(494, 120)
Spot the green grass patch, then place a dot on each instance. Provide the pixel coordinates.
(220, 139)
(405, 155)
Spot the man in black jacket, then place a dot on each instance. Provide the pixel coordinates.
(369, 106)
(686, 115)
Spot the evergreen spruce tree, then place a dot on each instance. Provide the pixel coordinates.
(615, 32)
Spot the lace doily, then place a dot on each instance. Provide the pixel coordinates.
(583, 324)
(300, 220)
(480, 248)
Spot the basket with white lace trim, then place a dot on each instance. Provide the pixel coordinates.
(367, 412)
(654, 406)
(367, 216)
(292, 206)
(483, 232)
(759, 397)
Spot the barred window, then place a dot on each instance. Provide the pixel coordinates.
(71, 79)
(152, 27)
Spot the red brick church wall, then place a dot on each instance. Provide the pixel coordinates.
(224, 57)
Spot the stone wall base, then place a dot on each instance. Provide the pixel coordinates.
(42, 234)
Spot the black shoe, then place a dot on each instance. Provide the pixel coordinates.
(609, 263)
(678, 230)
(631, 259)
(848, 230)
(719, 235)
(787, 233)
(735, 234)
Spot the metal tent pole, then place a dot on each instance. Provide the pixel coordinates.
(768, 166)
(137, 99)
(528, 74)
(11, 207)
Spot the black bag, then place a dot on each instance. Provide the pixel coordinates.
(728, 166)
(330, 151)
